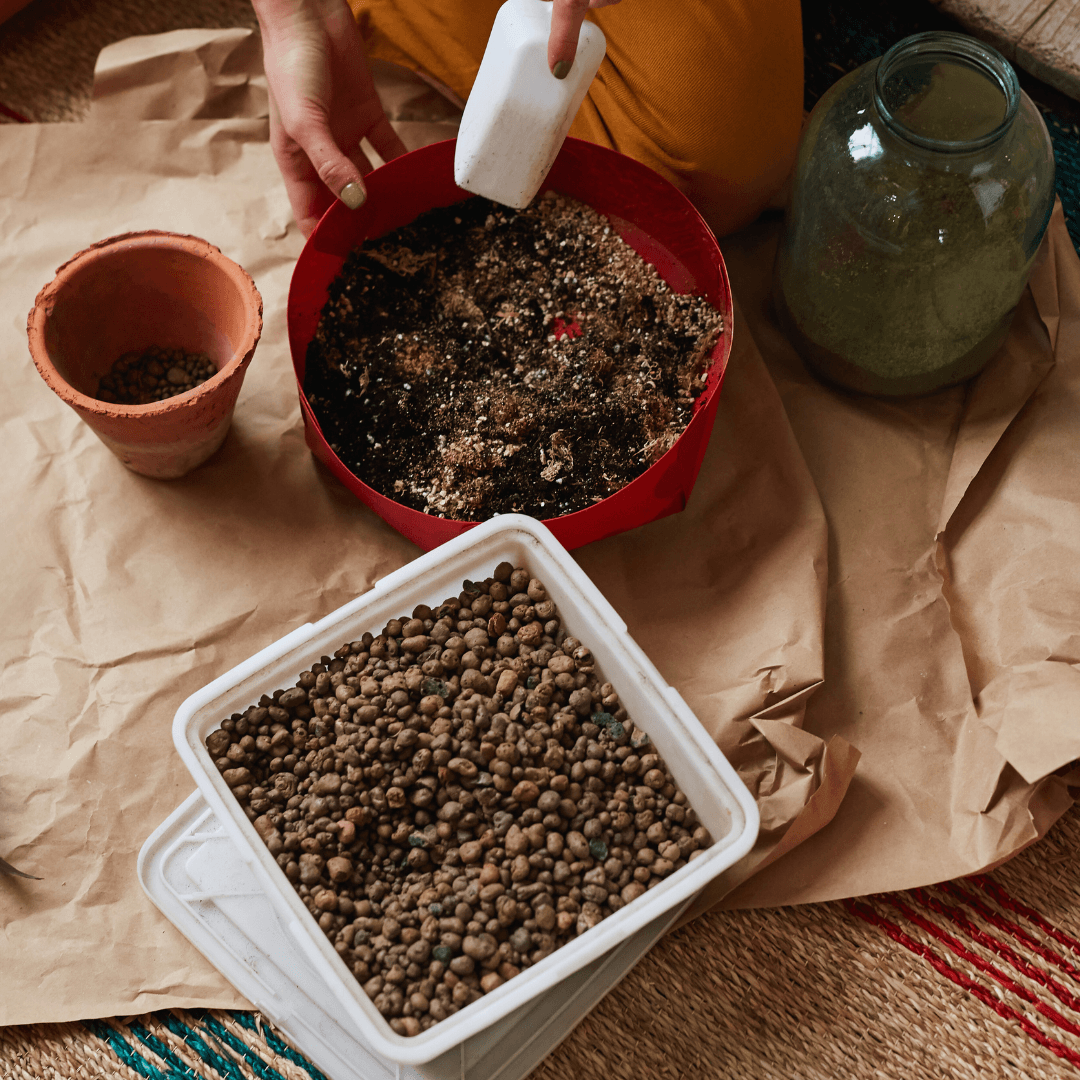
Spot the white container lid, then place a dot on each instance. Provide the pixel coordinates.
(193, 872)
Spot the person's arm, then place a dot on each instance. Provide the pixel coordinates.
(323, 100)
(322, 103)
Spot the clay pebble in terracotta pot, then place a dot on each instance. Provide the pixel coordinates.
(137, 291)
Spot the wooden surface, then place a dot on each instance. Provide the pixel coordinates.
(1040, 36)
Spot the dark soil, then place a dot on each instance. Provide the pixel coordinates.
(484, 360)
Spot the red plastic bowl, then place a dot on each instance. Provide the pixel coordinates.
(651, 215)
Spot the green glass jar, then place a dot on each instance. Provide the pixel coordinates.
(924, 183)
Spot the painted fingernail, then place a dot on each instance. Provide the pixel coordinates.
(561, 70)
(353, 196)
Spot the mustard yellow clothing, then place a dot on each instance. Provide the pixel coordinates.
(706, 92)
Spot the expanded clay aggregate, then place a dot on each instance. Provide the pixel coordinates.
(154, 374)
(457, 797)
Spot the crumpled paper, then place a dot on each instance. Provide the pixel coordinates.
(870, 605)
(950, 637)
(182, 75)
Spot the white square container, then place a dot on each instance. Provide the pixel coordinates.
(711, 785)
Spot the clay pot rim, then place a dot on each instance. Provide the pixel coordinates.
(144, 238)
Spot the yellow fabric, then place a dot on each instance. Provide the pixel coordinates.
(706, 92)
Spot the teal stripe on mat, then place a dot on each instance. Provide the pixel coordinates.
(224, 1066)
(171, 1067)
(163, 1051)
(258, 1066)
(127, 1053)
(247, 1020)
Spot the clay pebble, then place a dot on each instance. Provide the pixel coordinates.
(154, 374)
(449, 825)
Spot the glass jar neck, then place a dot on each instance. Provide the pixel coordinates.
(946, 92)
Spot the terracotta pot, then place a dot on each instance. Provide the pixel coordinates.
(131, 292)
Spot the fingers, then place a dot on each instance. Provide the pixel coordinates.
(315, 169)
(309, 126)
(309, 195)
(385, 139)
(566, 19)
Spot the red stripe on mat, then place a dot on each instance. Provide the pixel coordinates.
(993, 889)
(988, 941)
(953, 888)
(867, 914)
(956, 946)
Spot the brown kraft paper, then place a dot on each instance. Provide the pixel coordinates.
(837, 586)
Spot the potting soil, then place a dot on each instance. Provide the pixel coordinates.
(483, 360)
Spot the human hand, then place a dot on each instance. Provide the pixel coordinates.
(566, 20)
(322, 103)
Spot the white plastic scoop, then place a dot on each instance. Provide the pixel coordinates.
(518, 113)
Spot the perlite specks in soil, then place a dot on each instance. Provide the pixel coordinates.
(483, 360)
(457, 797)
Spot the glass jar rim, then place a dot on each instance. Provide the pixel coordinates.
(948, 44)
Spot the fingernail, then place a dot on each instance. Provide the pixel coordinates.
(561, 70)
(353, 196)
